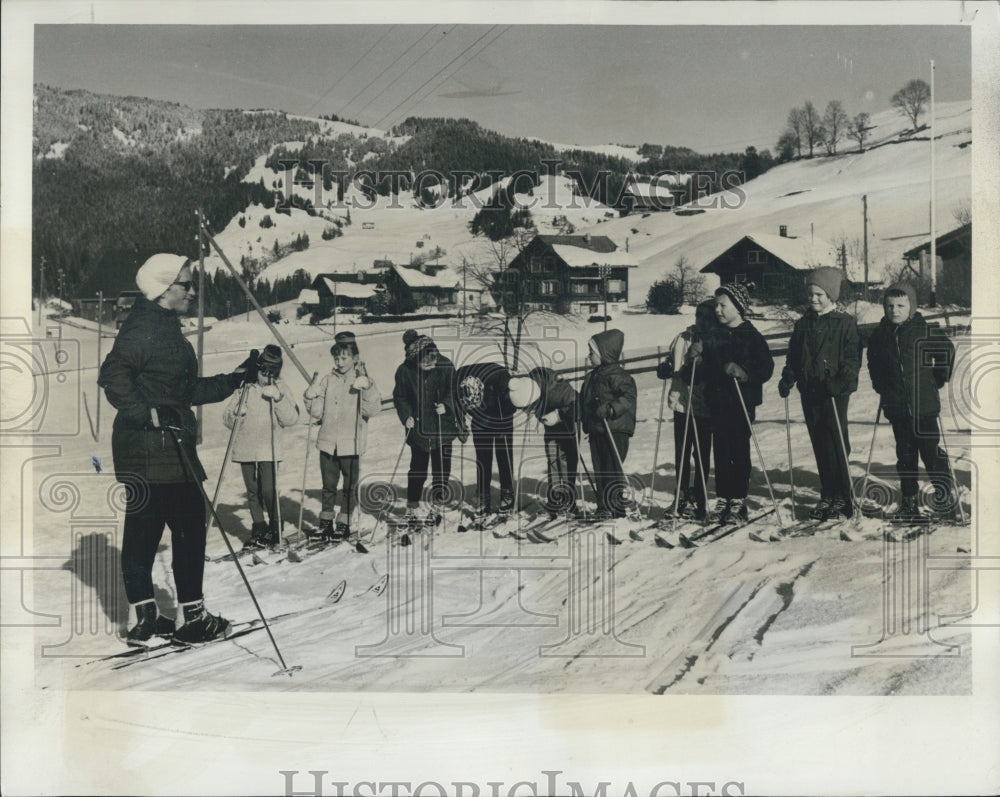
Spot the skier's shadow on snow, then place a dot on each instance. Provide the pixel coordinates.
(97, 565)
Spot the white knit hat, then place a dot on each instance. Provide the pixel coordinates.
(158, 273)
(523, 391)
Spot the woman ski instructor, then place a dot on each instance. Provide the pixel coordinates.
(151, 377)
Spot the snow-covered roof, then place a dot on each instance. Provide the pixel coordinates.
(308, 296)
(581, 257)
(665, 188)
(415, 278)
(799, 253)
(352, 290)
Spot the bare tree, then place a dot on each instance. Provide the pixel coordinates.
(962, 213)
(795, 128)
(812, 126)
(911, 99)
(688, 280)
(858, 129)
(835, 123)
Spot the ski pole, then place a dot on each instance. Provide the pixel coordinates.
(186, 460)
(871, 450)
(392, 478)
(305, 466)
(579, 456)
(760, 456)
(359, 370)
(659, 424)
(847, 463)
(681, 466)
(951, 470)
(621, 465)
(517, 481)
(791, 467)
(229, 448)
(274, 468)
(701, 466)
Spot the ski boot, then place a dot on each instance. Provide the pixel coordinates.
(149, 622)
(199, 625)
(721, 511)
(323, 533)
(258, 531)
(738, 512)
(908, 512)
(506, 502)
(822, 510)
(840, 509)
(341, 531)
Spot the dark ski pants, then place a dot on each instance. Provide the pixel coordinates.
(699, 426)
(259, 480)
(562, 458)
(920, 437)
(834, 474)
(148, 508)
(331, 469)
(731, 441)
(610, 480)
(439, 459)
(486, 441)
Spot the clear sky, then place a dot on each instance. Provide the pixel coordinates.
(705, 87)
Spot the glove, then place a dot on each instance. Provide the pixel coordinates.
(737, 372)
(312, 391)
(551, 418)
(695, 349)
(164, 418)
(271, 392)
(605, 411)
(361, 383)
(665, 369)
(410, 423)
(246, 371)
(785, 387)
(440, 409)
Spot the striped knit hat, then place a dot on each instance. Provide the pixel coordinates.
(738, 293)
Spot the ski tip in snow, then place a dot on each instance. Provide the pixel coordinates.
(337, 592)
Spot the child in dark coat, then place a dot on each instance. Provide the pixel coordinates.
(607, 412)
(824, 356)
(734, 363)
(485, 400)
(424, 397)
(553, 402)
(909, 362)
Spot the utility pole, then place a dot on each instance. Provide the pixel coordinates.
(201, 308)
(933, 302)
(603, 270)
(41, 287)
(864, 205)
(100, 316)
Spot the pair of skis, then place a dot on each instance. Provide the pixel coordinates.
(706, 534)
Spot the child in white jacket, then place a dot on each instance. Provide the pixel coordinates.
(342, 401)
(257, 445)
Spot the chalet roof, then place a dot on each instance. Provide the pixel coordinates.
(665, 189)
(801, 254)
(415, 278)
(581, 257)
(942, 240)
(351, 290)
(596, 243)
(308, 296)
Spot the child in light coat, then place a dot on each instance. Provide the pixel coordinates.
(258, 443)
(343, 401)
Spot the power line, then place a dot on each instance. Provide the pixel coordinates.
(380, 74)
(434, 76)
(351, 69)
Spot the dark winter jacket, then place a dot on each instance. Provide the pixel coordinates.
(608, 392)
(744, 346)
(824, 355)
(153, 365)
(908, 364)
(488, 384)
(414, 396)
(556, 395)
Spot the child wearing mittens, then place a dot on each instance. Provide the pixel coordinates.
(267, 409)
(734, 363)
(824, 357)
(343, 401)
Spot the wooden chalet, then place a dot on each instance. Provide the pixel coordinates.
(954, 251)
(569, 274)
(662, 194)
(424, 286)
(340, 292)
(776, 264)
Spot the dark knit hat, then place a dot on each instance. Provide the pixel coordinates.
(409, 336)
(344, 337)
(270, 361)
(738, 293)
(829, 279)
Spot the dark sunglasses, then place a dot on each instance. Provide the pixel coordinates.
(186, 285)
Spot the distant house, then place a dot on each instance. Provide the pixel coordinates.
(423, 286)
(776, 264)
(954, 251)
(345, 292)
(569, 274)
(663, 194)
(123, 305)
